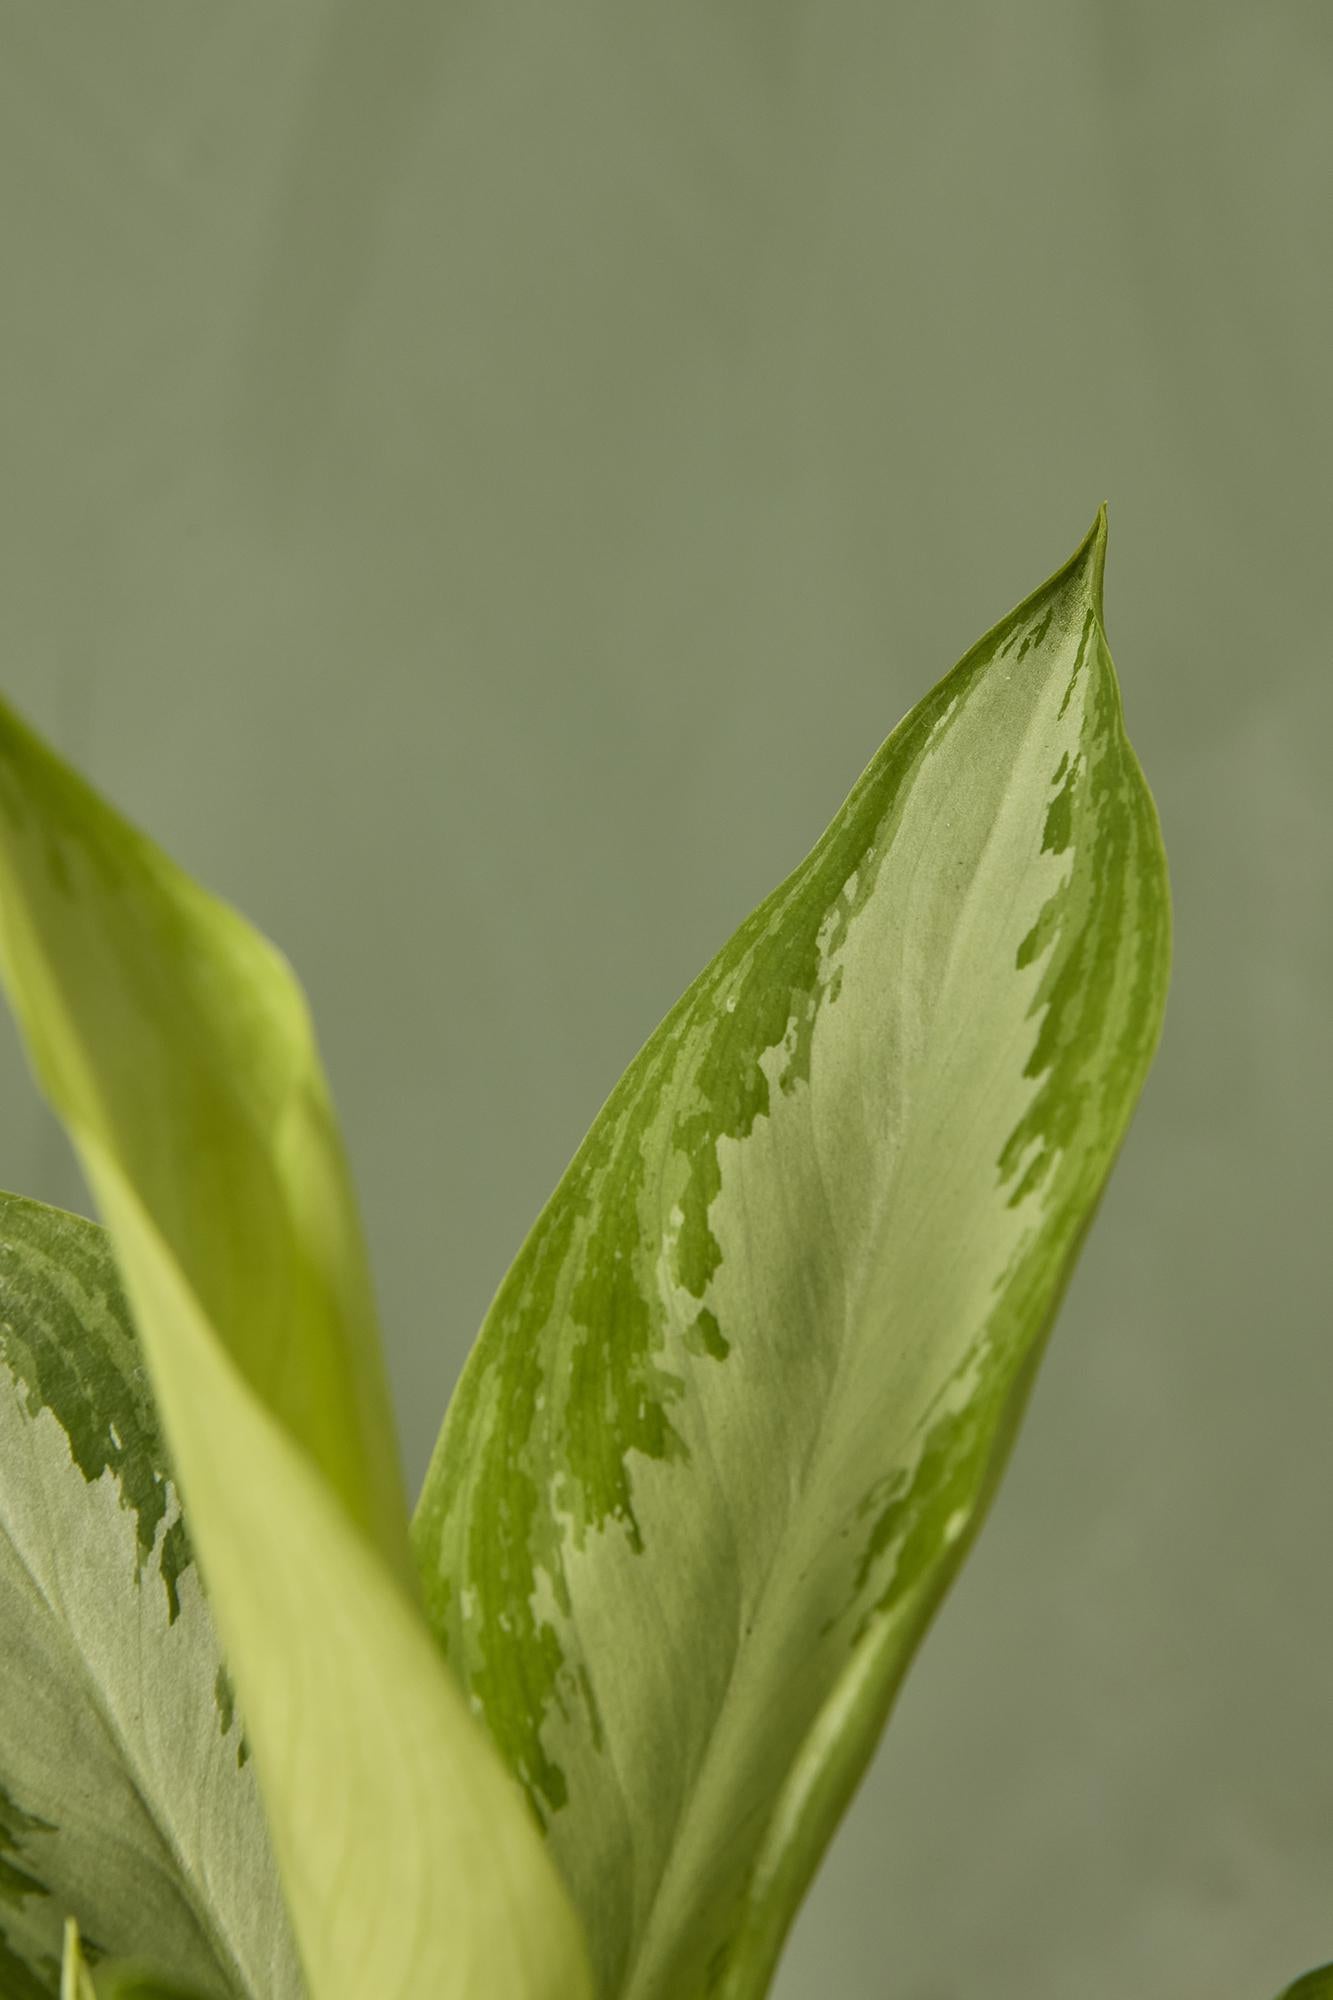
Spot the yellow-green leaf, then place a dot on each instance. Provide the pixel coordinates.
(176, 1046)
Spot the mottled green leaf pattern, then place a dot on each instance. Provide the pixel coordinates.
(740, 1402)
(122, 1797)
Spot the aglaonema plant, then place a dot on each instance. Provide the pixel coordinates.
(581, 1726)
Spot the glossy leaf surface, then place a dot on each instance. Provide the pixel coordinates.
(175, 1044)
(741, 1400)
(126, 1793)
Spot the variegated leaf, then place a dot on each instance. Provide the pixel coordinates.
(127, 1797)
(741, 1401)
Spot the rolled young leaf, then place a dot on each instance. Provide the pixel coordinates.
(76, 1981)
(739, 1404)
(176, 1046)
(114, 1982)
(116, 1713)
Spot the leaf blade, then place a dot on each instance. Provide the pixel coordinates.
(799, 1238)
(176, 1046)
(115, 1709)
(168, 1032)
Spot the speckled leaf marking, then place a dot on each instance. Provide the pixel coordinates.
(740, 1402)
(121, 1796)
(56, 1274)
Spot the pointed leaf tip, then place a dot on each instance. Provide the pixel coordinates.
(767, 1344)
(1091, 559)
(1080, 577)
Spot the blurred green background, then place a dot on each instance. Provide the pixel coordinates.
(478, 483)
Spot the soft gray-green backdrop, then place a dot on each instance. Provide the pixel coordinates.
(478, 481)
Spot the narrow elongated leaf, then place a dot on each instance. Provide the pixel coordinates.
(739, 1404)
(176, 1046)
(116, 1715)
(76, 1982)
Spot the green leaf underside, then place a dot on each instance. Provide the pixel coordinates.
(116, 1717)
(741, 1400)
(176, 1045)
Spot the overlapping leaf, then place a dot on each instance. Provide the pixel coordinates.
(126, 1794)
(741, 1400)
(176, 1046)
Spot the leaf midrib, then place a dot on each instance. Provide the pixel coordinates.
(781, 1550)
(857, 1288)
